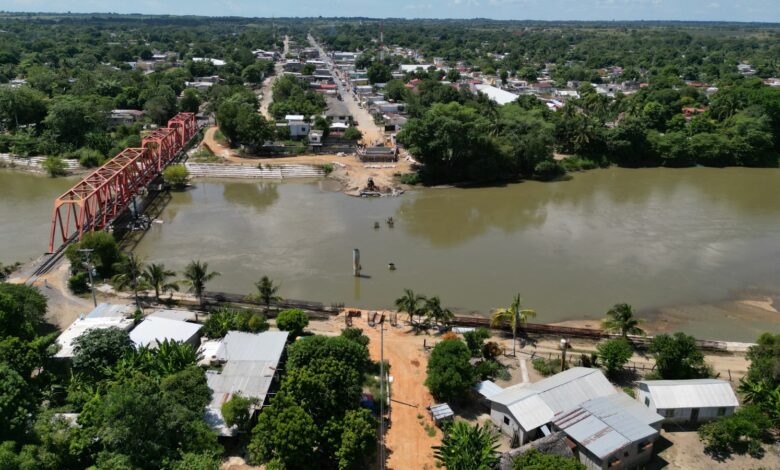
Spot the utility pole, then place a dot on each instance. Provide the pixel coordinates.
(88, 264)
(135, 279)
(382, 396)
(382, 41)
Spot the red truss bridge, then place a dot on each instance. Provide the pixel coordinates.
(94, 202)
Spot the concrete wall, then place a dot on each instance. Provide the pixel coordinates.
(630, 457)
(498, 413)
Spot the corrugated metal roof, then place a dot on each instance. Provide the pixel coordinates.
(624, 414)
(604, 425)
(240, 346)
(252, 359)
(695, 393)
(181, 315)
(155, 330)
(110, 311)
(533, 405)
(441, 411)
(626, 404)
(487, 388)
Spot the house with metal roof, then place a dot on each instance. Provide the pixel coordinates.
(525, 411)
(611, 432)
(249, 365)
(103, 316)
(154, 330)
(688, 400)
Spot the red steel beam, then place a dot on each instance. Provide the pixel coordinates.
(95, 201)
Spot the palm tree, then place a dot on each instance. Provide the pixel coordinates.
(129, 273)
(620, 319)
(196, 275)
(267, 291)
(435, 312)
(157, 276)
(514, 315)
(411, 304)
(467, 447)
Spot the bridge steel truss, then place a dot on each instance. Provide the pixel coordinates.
(95, 201)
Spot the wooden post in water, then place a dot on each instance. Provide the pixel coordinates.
(356, 262)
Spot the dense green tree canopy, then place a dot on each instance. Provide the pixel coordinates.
(450, 374)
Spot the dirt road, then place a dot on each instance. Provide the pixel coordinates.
(267, 91)
(408, 444)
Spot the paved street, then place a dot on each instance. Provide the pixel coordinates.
(372, 134)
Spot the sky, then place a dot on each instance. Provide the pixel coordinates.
(698, 10)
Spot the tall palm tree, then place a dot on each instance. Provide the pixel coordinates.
(196, 275)
(514, 315)
(620, 319)
(435, 312)
(411, 304)
(467, 447)
(157, 276)
(267, 290)
(129, 274)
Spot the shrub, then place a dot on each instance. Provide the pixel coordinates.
(475, 339)
(678, 357)
(238, 412)
(293, 320)
(55, 166)
(353, 133)
(327, 168)
(176, 175)
(535, 460)
(257, 323)
(548, 170)
(547, 366)
(450, 374)
(79, 283)
(741, 433)
(488, 370)
(614, 354)
(410, 178)
(89, 158)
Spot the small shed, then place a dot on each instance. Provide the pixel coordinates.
(441, 412)
(688, 400)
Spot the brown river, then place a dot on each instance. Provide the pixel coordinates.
(692, 249)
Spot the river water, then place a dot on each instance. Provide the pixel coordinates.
(681, 245)
(26, 205)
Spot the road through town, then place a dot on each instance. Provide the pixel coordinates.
(372, 134)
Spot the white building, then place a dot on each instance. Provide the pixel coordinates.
(525, 411)
(611, 432)
(498, 95)
(688, 400)
(102, 317)
(156, 329)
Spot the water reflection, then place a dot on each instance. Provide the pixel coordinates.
(259, 196)
(449, 217)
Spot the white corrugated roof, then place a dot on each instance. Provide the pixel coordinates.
(181, 315)
(497, 94)
(240, 346)
(252, 359)
(155, 330)
(694, 393)
(82, 325)
(488, 388)
(537, 404)
(607, 424)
